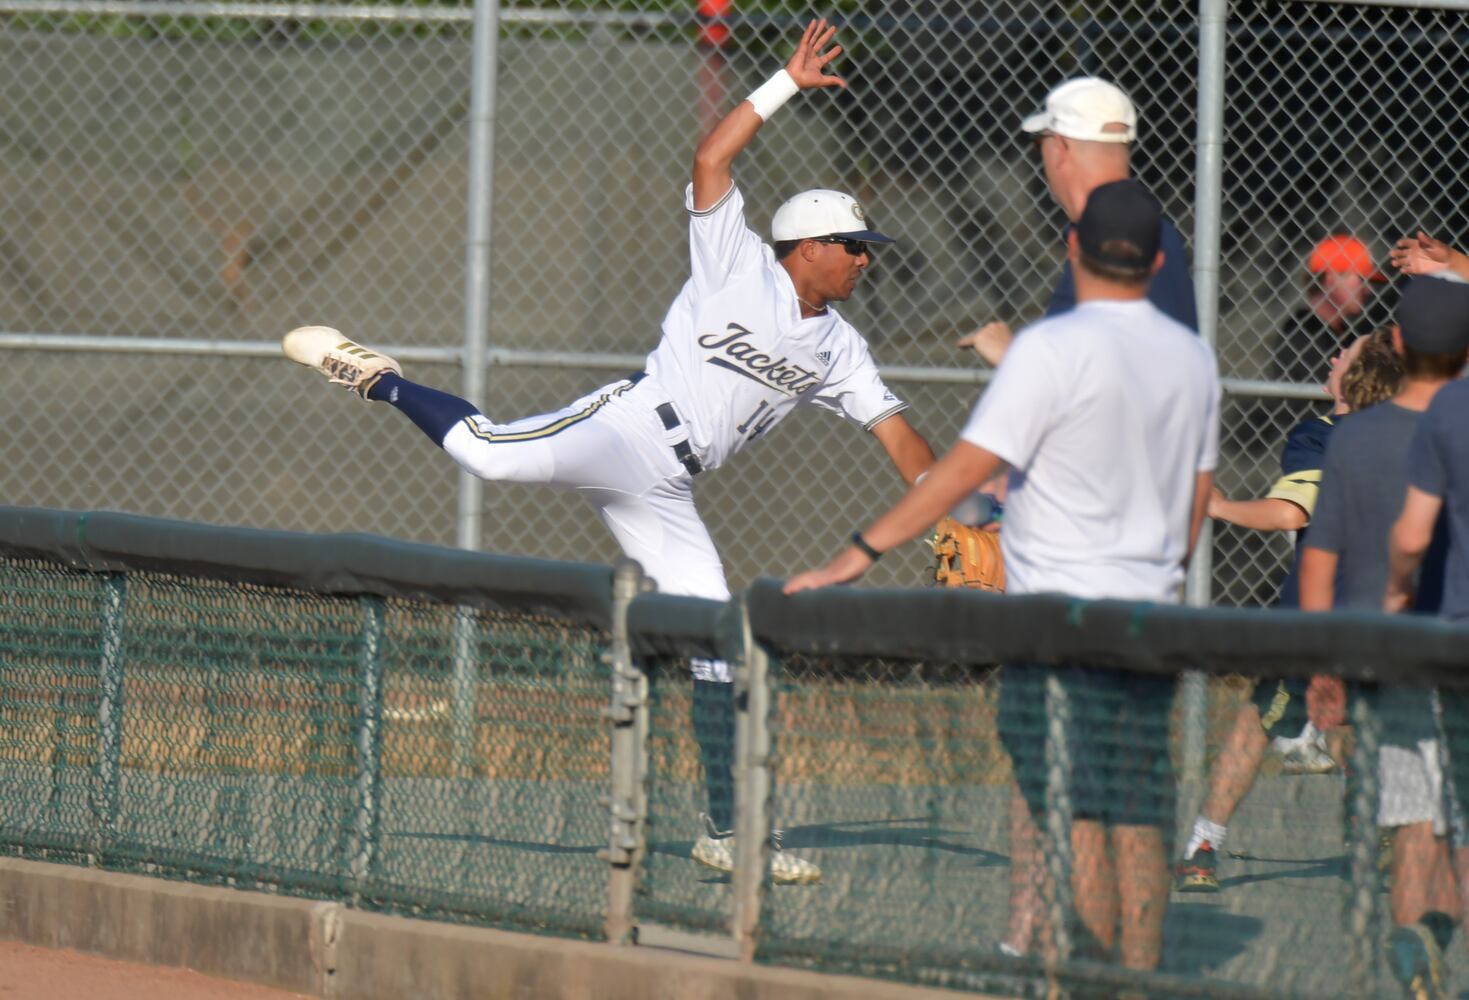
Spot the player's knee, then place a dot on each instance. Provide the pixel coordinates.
(501, 461)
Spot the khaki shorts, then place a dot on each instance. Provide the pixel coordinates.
(1411, 786)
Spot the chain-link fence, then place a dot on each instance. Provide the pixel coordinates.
(183, 182)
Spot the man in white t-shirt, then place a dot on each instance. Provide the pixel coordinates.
(752, 336)
(1107, 417)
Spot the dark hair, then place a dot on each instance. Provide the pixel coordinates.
(1128, 277)
(1417, 364)
(784, 248)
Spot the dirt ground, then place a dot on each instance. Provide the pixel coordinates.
(27, 972)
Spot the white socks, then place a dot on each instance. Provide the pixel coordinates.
(1204, 830)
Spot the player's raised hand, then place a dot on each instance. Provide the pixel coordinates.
(990, 342)
(1421, 254)
(806, 65)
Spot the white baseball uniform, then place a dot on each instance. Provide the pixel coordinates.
(734, 360)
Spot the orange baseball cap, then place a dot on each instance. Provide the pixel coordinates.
(1342, 254)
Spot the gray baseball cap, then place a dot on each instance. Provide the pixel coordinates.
(1434, 316)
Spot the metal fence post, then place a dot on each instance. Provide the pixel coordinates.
(1057, 831)
(363, 856)
(462, 698)
(1208, 199)
(109, 716)
(1362, 910)
(627, 713)
(753, 786)
(486, 41)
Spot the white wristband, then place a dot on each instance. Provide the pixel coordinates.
(770, 95)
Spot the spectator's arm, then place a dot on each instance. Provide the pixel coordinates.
(1317, 576)
(1262, 514)
(1406, 545)
(1422, 254)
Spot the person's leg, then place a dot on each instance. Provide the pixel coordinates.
(661, 529)
(1142, 889)
(1029, 883)
(1412, 805)
(431, 411)
(1094, 887)
(1235, 769)
(1416, 860)
(1140, 810)
(1020, 720)
(1230, 780)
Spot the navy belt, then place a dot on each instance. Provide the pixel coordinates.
(669, 416)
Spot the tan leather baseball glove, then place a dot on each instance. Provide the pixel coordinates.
(967, 557)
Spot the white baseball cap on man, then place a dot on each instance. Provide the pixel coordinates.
(1082, 109)
(819, 212)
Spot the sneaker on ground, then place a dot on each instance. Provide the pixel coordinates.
(1198, 873)
(1417, 963)
(342, 361)
(715, 849)
(1306, 758)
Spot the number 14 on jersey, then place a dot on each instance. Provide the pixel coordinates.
(756, 422)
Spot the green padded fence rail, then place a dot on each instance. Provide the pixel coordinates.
(402, 727)
(321, 563)
(1155, 638)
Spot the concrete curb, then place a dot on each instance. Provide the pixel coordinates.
(326, 950)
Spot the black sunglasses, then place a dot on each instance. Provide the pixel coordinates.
(854, 247)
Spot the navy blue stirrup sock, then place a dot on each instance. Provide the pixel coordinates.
(433, 411)
(714, 729)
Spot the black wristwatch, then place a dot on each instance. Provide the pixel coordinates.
(867, 550)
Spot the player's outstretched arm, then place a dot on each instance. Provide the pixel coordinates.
(909, 451)
(950, 480)
(804, 71)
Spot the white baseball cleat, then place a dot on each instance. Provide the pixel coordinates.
(715, 850)
(344, 362)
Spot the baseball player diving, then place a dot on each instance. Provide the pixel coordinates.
(752, 336)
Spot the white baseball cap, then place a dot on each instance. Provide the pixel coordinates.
(820, 212)
(1082, 108)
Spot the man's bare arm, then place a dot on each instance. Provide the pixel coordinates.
(1407, 544)
(948, 481)
(1317, 577)
(1260, 514)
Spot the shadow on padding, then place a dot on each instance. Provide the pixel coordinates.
(907, 832)
(1200, 937)
(521, 845)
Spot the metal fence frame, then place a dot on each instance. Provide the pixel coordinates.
(751, 631)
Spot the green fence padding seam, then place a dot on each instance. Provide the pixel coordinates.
(331, 564)
(672, 625)
(976, 627)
